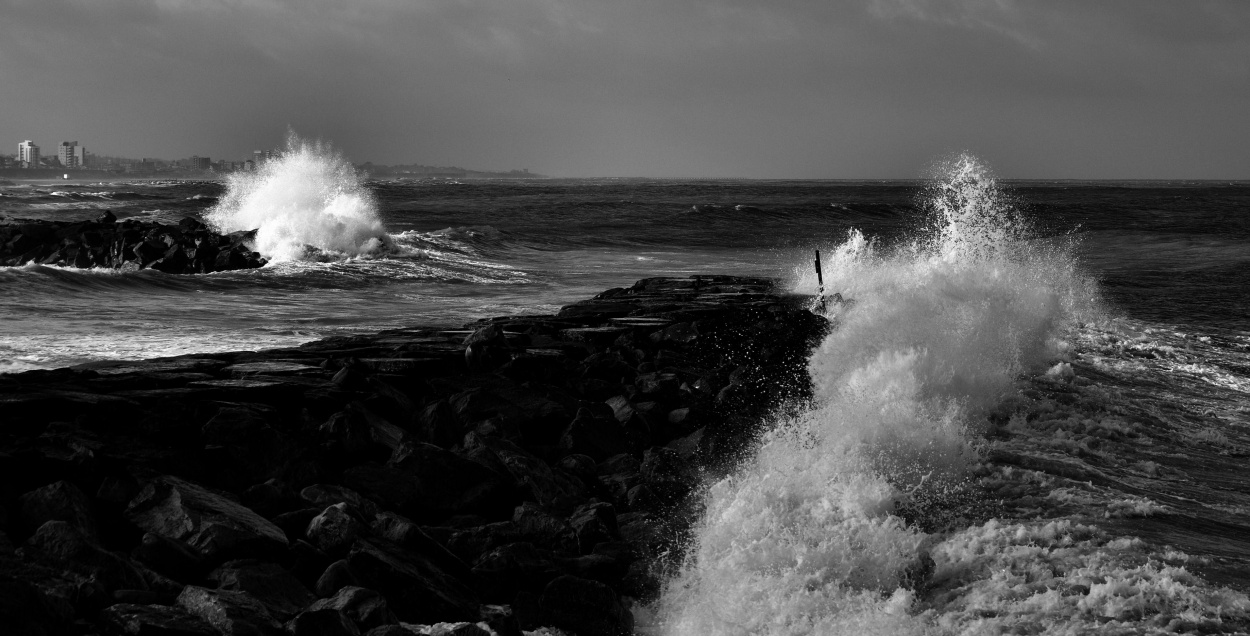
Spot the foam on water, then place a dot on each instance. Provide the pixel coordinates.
(809, 537)
(307, 205)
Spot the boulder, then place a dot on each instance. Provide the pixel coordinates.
(170, 557)
(364, 607)
(335, 577)
(60, 543)
(59, 501)
(230, 613)
(599, 438)
(129, 619)
(593, 524)
(532, 476)
(323, 495)
(509, 569)
(322, 622)
(334, 530)
(280, 592)
(424, 481)
(415, 588)
(588, 608)
(212, 523)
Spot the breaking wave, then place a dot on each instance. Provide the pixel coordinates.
(860, 516)
(307, 204)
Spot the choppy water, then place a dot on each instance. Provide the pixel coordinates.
(1033, 418)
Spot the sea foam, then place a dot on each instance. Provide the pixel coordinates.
(307, 204)
(806, 538)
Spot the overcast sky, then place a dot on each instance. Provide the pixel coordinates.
(663, 88)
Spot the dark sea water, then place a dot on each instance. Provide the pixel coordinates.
(1092, 339)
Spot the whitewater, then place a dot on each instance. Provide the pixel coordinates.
(874, 512)
(1031, 415)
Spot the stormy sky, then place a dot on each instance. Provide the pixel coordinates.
(661, 88)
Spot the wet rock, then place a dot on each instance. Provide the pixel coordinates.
(596, 437)
(425, 481)
(63, 544)
(586, 607)
(280, 592)
(230, 613)
(334, 530)
(501, 620)
(415, 588)
(532, 476)
(365, 608)
(59, 501)
(336, 576)
(215, 525)
(509, 569)
(593, 524)
(322, 622)
(170, 557)
(131, 619)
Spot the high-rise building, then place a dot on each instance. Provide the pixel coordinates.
(28, 154)
(80, 156)
(68, 154)
(197, 162)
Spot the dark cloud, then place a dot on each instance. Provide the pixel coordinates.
(713, 88)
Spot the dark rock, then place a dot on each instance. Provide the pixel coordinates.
(322, 622)
(216, 526)
(280, 592)
(586, 607)
(230, 613)
(294, 523)
(106, 216)
(60, 501)
(324, 495)
(337, 576)
(509, 569)
(415, 588)
(152, 620)
(62, 543)
(365, 608)
(500, 619)
(424, 481)
(170, 557)
(255, 451)
(137, 597)
(407, 535)
(334, 530)
(599, 438)
(550, 488)
(593, 524)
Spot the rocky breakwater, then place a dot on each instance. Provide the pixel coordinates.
(524, 472)
(187, 248)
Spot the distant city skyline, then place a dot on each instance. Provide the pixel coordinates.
(794, 88)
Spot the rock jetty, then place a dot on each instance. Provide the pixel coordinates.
(520, 473)
(187, 248)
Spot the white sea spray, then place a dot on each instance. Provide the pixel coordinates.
(307, 204)
(806, 538)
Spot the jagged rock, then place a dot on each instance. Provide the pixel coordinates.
(280, 592)
(415, 588)
(334, 530)
(501, 620)
(59, 501)
(470, 543)
(215, 525)
(364, 607)
(254, 450)
(424, 481)
(407, 535)
(67, 546)
(509, 569)
(170, 557)
(599, 438)
(336, 576)
(153, 620)
(230, 613)
(323, 495)
(586, 607)
(321, 622)
(539, 527)
(548, 487)
(593, 524)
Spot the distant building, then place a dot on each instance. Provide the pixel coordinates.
(249, 166)
(197, 162)
(80, 157)
(70, 155)
(28, 154)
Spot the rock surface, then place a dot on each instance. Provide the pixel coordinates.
(187, 248)
(520, 473)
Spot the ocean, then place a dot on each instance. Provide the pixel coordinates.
(1032, 416)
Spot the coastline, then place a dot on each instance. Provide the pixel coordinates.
(525, 471)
